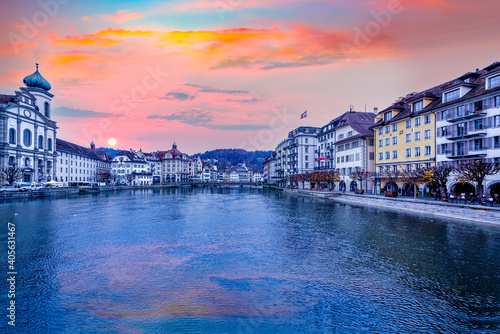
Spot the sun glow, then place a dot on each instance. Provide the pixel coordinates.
(112, 141)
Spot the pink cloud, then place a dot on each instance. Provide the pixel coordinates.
(119, 17)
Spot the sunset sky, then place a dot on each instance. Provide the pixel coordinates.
(234, 73)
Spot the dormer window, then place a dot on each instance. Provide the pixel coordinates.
(388, 116)
(493, 82)
(417, 106)
(453, 95)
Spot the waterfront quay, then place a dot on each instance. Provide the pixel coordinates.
(426, 207)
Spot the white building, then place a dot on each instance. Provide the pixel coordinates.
(174, 165)
(468, 123)
(354, 147)
(234, 176)
(76, 163)
(27, 133)
(125, 163)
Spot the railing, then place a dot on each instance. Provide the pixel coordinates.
(464, 132)
(456, 153)
(455, 115)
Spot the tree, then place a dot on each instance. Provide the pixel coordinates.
(392, 176)
(414, 177)
(438, 177)
(130, 177)
(108, 176)
(476, 171)
(11, 174)
(332, 177)
(360, 176)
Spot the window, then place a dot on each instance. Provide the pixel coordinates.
(394, 140)
(349, 134)
(408, 124)
(496, 142)
(408, 152)
(341, 136)
(307, 149)
(444, 131)
(380, 131)
(27, 137)
(427, 119)
(494, 82)
(427, 150)
(387, 155)
(358, 157)
(307, 158)
(444, 148)
(395, 127)
(387, 141)
(27, 162)
(417, 151)
(387, 129)
(427, 134)
(388, 116)
(478, 124)
(478, 144)
(453, 95)
(12, 136)
(380, 156)
(12, 160)
(460, 111)
(417, 136)
(40, 142)
(444, 114)
(47, 109)
(408, 137)
(417, 106)
(497, 101)
(418, 121)
(394, 154)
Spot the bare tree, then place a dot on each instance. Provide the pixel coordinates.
(361, 176)
(414, 177)
(476, 171)
(438, 176)
(130, 177)
(11, 174)
(392, 176)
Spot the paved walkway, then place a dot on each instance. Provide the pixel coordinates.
(454, 211)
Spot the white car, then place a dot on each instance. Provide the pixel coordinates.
(4, 189)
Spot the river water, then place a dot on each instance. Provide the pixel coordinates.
(243, 260)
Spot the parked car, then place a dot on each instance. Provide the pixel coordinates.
(4, 189)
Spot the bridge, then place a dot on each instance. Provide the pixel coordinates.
(224, 184)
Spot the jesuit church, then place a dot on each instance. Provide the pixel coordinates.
(27, 133)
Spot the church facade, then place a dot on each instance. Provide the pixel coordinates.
(27, 132)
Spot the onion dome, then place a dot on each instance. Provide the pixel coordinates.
(36, 80)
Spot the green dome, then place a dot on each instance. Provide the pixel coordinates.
(36, 80)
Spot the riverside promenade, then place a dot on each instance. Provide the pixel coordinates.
(460, 212)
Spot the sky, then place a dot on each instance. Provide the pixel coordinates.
(213, 74)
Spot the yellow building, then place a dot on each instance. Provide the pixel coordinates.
(405, 135)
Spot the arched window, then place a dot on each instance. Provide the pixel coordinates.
(12, 136)
(27, 162)
(47, 109)
(40, 142)
(27, 137)
(307, 140)
(49, 144)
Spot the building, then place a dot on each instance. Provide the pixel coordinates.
(103, 165)
(234, 176)
(405, 135)
(325, 153)
(301, 146)
(126, 163)
(77, 163)
(467, 114)
(174, 165)
(27, 132)
(354, 147)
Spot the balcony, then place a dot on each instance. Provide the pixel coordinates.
(456, 116)
(464, 133)
(466, 153)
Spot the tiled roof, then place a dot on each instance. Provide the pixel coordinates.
(103, 155)
(67, 147)
(359, 121)
(5, 99)
(476, 82)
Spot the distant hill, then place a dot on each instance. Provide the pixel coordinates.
(111, 151)
(232, 157)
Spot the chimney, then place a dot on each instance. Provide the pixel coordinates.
(375, 111)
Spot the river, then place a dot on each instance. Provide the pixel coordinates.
(244, 260)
